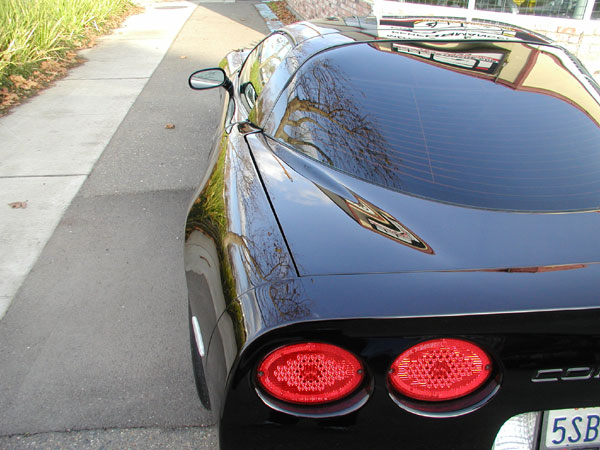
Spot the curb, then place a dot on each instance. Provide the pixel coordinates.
(273, 23)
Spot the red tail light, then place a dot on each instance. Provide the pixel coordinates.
(440, 369)
(310, 373)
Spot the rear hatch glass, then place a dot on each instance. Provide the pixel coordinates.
(501, 125)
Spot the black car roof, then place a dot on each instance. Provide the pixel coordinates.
(484, 116)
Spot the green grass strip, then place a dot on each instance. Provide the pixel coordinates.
(38, 30)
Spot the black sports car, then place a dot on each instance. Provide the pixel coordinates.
(396, 244)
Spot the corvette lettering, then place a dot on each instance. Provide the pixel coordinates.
(566, 374)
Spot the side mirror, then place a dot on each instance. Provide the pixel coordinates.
(208, 79)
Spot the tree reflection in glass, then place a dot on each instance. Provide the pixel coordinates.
(324, 120)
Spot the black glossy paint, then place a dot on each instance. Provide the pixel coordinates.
(281, 248)
(307, 198)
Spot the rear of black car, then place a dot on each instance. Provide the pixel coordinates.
(438, 205)
(540, 362)
(500, 268)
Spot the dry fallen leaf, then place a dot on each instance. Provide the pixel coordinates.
(170, 126)
(16, 205)
(183, 57)
(23, 83)
(8, 99)
(282, 12)
(53, 67)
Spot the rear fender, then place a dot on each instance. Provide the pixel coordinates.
(233, 244)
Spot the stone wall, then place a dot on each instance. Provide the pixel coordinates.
(585, 43)
(312, 9)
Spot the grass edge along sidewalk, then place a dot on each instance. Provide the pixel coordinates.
(39, 39)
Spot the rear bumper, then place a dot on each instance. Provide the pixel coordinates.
(520, 344)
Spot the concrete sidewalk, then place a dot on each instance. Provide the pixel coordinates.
(50, 144)
(96, 339)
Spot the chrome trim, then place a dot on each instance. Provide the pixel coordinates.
(198, 336)
(448, 409)
(345, 406)
(519, 433)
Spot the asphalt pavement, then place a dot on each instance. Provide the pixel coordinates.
(94, 349)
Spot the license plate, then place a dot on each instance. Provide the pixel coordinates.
(571, 429)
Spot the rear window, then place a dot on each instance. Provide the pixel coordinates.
(490, 125)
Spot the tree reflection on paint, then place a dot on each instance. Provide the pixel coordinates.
(265, 255)
(225, 211)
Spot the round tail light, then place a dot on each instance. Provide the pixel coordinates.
(440, 369)
(310, 373)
